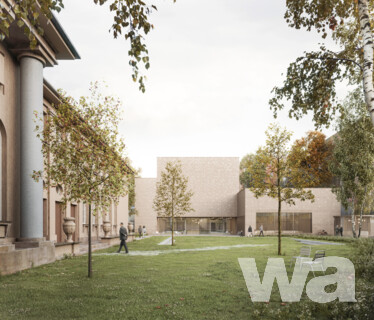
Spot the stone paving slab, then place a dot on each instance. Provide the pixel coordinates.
(158, 252)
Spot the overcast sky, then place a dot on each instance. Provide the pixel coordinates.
(213, 65)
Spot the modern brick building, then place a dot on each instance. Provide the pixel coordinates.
(222, 207)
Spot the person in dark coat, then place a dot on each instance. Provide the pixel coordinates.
(341, 231)
(123, 238)
(250, 234)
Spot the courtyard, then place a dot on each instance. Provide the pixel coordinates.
(183, 284)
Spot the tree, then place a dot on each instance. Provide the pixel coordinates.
(273, 173)
(131, 190)
(82, 152)
(311, 154)
(245, 177)
(172, 197)
(353, 157)
(130, 19)
(311, 80)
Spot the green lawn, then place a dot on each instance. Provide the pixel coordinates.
(185, 285)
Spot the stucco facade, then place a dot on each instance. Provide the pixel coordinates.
(10, 141)
(31, 231)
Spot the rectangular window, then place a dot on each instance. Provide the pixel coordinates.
(93, 214)
(84, 213)
(45, 218)
(290, 221)
(59, 222)
(193, 225)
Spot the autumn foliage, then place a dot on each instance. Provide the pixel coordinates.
(275, 175)
(311, 155)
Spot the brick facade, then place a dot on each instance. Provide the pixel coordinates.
(215, 183)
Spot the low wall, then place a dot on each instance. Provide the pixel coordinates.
(110, 241)
(14, 260)
(62, 249)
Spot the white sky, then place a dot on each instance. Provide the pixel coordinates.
(213, 65)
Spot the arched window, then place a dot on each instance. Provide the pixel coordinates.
(1, 176)
(2, 172)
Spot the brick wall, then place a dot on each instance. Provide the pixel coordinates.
(214, 181)
(145, 189)
(323, 209)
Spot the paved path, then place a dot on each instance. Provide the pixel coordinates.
(316, 242)
(166, 242)
(158, 252)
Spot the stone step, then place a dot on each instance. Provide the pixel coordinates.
(26, 245)
(7, 247)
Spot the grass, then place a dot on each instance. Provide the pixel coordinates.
(187, 285)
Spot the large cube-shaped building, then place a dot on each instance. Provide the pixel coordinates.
(222, 206)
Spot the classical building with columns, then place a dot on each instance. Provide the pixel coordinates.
(31, 219)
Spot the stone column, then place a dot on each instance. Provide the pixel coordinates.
(31, 101)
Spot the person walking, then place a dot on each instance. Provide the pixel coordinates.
(123, 238)
(337, 230)
(250, 233)
(341, 230)
(144, 231)
(140, 231)
(261, 231)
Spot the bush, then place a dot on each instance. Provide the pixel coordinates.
(323, 238)
(363, 258)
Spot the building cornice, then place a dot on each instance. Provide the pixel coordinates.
(52, 46)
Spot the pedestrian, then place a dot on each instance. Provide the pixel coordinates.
(341, 230)
(144, 230)
(123, 238)
(250, 233)
(337, 230)
(140, 231)
(261, 231)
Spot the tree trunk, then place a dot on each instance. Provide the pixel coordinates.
(353, 222)
(172, 213)
(361, 212)
(89, 243)
(279, 224)
(368, 55)
(360, 225)
(172, 228)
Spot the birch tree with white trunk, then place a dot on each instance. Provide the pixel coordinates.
(353, 158)
(367, 35)
(311, 80)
